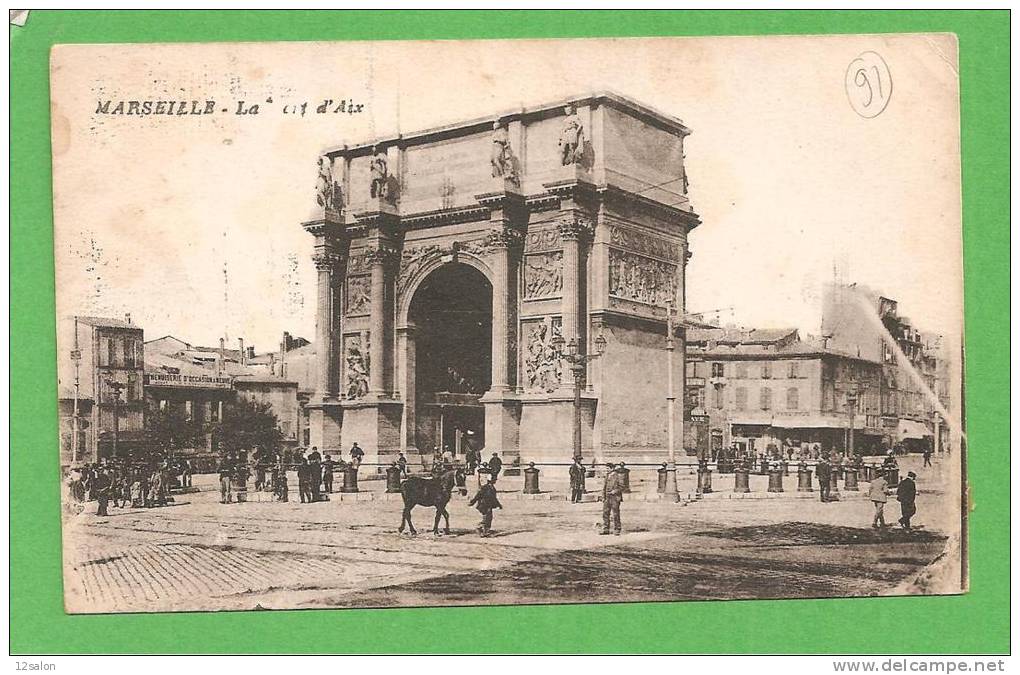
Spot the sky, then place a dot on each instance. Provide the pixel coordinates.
(193, 223)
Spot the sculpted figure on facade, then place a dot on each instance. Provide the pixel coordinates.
(379, 173)
(543, 362)
(543, 275)
(328, 193)
(641, 279)
(571, 138)
(356, 384)
(504, 164)
(359, 290)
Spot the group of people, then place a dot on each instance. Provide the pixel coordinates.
(125, 483)
(315, 473)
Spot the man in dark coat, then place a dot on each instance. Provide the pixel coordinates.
(824, 472)
(327, 474)
(357, 455)
(577, 471)
(495, 466)
(612, 497)
(304, 474)
(315, 477)
(102, 485)
(485, 501)
(906, 494)
(225, 471)
(402, 463)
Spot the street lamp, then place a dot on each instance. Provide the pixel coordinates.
(670, 491)
(115, 389)
(569, 351)
(851, 404)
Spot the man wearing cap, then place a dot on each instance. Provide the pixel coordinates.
(612, 497)
(906, 493)
(327, 474)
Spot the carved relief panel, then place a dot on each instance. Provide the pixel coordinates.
(543, 275)
(359, 293)
(641, 279)
(543, 361)
(355, 366)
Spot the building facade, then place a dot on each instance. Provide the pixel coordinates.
(915, 367)
(456, 265)
(103, 370)
(768, 391)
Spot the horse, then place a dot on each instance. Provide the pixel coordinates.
(419, 491)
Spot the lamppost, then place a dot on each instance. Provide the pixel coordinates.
(851, 404)
(115, 389)
(670, 491)
(578, 362)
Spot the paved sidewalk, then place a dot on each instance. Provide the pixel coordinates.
(203, 555)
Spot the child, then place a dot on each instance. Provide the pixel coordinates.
(485, 501)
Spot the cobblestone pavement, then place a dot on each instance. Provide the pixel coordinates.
(202, 555)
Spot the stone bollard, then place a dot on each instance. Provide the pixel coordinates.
(625, 472)
(850, 479)
(350, 479)
(724, 465)
(531, 479)
(740, 478)
(393, 479)
(662, 479)
(776, 478)
(868, 472)
(704, 479)
(804, 478)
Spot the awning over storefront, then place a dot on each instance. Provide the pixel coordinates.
(912, 429)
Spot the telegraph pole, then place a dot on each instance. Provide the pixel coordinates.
(76, 358)
(670, 491)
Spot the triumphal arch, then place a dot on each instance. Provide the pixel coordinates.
(456, 265)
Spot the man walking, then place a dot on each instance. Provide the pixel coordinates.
(824, 472)
(906, 494)
(226, 496)
(576, 481)
(327, 474)
(612, 497)
(876, 493)
(927, 456)
(485, 501)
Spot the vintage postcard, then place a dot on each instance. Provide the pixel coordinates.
(393, 324)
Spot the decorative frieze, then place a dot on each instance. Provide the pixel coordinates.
(543, 275)
(638, 242)
(641, 279)
(543, 361)
(544, 239)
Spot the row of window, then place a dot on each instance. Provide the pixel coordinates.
(740, 398)
(189, 408)
(741, 370)
(121, 352)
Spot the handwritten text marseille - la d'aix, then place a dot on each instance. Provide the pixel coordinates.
(144, 108)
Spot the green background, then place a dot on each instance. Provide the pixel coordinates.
(976, 622)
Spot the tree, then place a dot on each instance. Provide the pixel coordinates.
(249, 424)
(168, 430)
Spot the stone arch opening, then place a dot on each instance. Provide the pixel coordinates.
(452, 312)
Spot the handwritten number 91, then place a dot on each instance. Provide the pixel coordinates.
(868, 84)
(861, 80)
